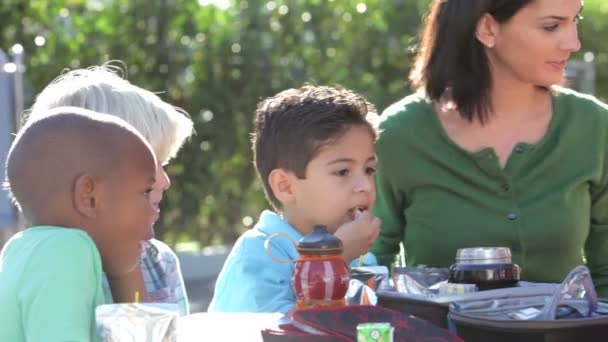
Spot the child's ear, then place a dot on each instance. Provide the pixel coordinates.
(282, 185)
(85, 192)
(487, 30)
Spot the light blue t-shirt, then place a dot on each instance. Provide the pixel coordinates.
(251, 281)
(50, 285)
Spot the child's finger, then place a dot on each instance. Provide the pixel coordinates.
(375, 225)
(375, 235)
(362, 215)
(358, 214)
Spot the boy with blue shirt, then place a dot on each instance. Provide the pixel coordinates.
(314, 152)
(82, 180)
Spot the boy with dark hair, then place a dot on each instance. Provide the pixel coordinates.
(314, 152)
(82, 180)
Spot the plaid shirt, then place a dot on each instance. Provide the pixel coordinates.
(162, 275)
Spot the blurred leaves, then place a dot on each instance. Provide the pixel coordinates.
(218, 63)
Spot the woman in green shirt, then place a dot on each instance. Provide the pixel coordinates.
(489, 152)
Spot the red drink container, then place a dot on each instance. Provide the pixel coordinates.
(321, 276)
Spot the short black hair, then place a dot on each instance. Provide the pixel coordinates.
(451, 58)
(291, 127)
(59, 145)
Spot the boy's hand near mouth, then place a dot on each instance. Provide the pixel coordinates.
(358, 235)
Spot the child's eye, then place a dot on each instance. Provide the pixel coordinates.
(370, 170)
(341, 173)
(148, 192)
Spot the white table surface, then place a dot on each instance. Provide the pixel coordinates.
(222, 326)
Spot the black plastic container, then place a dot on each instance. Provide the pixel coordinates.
(485, 276)
(435, 313)
(487, 267)
(564, 330)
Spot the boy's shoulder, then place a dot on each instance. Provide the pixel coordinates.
(55, 238)
(63, 242)
(158, 250)
(46, 269)
(159, 261)
(44, 251)
(271, 233)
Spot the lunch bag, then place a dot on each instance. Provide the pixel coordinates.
(572, 312)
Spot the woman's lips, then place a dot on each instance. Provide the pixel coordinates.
(557, 65)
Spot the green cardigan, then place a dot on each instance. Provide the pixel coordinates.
(549, 204)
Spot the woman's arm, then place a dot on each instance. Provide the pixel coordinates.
(389, 209)
(596, 247)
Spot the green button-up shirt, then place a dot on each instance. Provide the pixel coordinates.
(549, 204)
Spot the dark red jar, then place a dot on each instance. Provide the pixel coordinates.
(321, 276)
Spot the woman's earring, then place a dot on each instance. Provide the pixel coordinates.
(490, 45)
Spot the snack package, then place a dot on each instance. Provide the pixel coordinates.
(141, 322)
(360, 294)
(423, 281)
(375, 277)
(364, 283)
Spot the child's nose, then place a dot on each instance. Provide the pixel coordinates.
(365, 183)
(162, 179)
(166, 179)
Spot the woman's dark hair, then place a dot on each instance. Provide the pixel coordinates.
(450, 57)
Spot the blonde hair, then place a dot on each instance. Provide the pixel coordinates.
(103, 89)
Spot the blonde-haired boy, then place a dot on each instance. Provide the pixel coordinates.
(165, 127)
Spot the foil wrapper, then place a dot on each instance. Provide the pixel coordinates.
(423, 281)
(364, 282)
(360, 294)
(407, 284)
(141, 322)
(376, 277)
